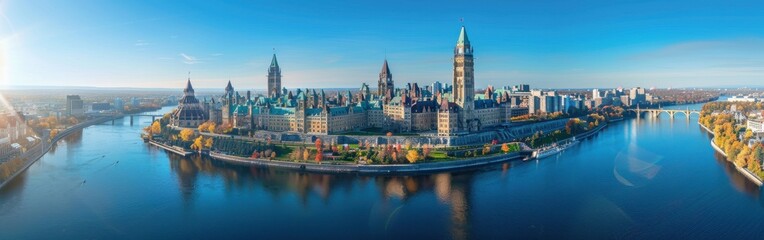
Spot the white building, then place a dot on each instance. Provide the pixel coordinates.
(742, 99)
(755, 125)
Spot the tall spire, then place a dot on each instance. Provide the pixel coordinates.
(274, 79)
(385, 80)
(229, 87)
(274, 62)
(463, 40)
(385, 68)
(189, 89)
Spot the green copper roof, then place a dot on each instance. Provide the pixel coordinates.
(463, 39)
(275, 63)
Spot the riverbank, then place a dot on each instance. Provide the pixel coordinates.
(36, 152)
(747, 173)
(536, 152)
(372, 169)
(591, 132)
(392, 169)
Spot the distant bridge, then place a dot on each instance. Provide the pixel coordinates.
(132, 116)
(153, 116)
(671, 112)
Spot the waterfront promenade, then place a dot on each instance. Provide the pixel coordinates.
(392, 169)
(371, 169)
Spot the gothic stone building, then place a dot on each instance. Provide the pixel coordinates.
(312, 111)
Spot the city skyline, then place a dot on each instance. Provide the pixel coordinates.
(599, 45)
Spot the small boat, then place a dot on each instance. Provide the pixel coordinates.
(554, 149)
(546, 152)
(567, 144)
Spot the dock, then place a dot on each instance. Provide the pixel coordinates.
(175, 150)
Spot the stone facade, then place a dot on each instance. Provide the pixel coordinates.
(447, 114)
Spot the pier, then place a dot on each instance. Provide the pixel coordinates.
(173, 149)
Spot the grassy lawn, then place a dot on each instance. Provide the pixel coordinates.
(439, 155)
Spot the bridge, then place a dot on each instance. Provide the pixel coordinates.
(671, 112)
(153, 117)
(132, 116)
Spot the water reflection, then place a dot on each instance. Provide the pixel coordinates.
(641, 178)
(450, 189)
(737, 179)
(11, 194)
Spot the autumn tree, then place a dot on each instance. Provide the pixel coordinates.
(412, 156)
(504, 148)
(156, 128)
(198, 143)
(319, 156)
(186, 134)
(306, 154)
(741, 160)
(203, 127)
(211, 128)
(318, 143)
(747, 136)
(486, 149)
(53, 133)
(208, 143)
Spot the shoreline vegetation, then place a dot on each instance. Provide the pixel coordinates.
(211, 138)
(213, 141)
(730, 136)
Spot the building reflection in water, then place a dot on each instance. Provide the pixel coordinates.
(450, 189)
(740, 182)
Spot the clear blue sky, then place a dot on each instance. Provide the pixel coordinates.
(559, 44)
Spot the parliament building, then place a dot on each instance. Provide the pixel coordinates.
(313, 111)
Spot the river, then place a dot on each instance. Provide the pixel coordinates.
(646, 178)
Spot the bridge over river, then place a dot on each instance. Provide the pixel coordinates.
(671, 112)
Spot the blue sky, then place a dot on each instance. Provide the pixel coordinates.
(548, 44)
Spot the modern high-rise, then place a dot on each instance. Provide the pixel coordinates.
(437, 87)
(119, 105)
(74, 105)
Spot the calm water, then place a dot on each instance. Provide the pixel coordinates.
(642, 179)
